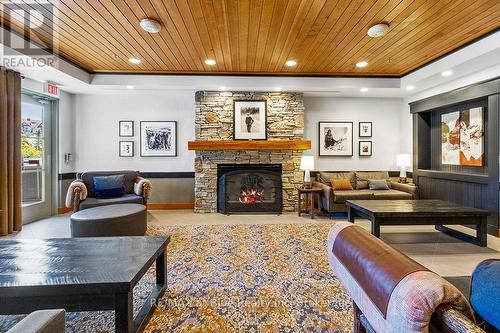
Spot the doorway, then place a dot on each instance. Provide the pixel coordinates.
(36, 145)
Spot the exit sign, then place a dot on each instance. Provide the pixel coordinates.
(52, 89)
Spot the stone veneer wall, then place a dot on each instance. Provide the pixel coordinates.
(214, 121)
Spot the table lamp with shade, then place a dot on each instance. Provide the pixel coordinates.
(307, 164)
(403, 161)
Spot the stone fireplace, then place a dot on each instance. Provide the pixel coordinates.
(214, 121)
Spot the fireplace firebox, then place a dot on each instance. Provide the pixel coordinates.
(249, 188)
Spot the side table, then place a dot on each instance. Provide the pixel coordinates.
(311, 195)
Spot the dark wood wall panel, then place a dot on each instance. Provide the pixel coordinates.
(471, 194)
(470, 186)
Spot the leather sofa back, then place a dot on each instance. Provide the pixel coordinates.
(412, 301)
(376, 266)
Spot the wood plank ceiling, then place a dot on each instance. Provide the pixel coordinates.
(325, 37)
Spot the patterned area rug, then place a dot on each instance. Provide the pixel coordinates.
(244, 278)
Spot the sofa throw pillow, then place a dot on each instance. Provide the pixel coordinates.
(361, 184)
(362, 178)
(327, 177)
(341, 184)
(108, 187)
(378, 184)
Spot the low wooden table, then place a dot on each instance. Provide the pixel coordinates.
(421, 212)
(312, 195)
(81, 274)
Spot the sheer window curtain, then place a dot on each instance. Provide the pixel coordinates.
(10, 152)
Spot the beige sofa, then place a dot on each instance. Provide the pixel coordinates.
(334, 201)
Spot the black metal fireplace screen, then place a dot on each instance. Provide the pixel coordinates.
(249, 188)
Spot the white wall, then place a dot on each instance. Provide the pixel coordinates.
(97, 117)
(406, 130)
(387, 116)
(66, 131)
(97, 137)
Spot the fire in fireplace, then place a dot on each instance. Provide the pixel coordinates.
(249, 188)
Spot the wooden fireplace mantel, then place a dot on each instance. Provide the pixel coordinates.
(201, 145)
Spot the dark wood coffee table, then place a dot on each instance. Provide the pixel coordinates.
(81, 274)
(421, 212)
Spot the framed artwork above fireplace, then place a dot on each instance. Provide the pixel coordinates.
(250, 120)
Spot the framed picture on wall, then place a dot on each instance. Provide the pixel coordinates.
(365, 148)
(450, 138)
(335, 138)
(126, 128)
(472, 137)
(250, 120)
(126, 148)
(365, 129)
(158, 138)
(462, 137)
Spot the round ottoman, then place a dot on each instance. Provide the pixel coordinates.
(110, 220)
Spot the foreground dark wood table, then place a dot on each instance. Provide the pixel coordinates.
(421, 212)
(81, 274)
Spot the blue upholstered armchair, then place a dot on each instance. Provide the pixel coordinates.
(485, 294)
(484, 298)
(83, 194)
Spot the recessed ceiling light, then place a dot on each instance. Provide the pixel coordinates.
(447, 73)
(291, 63)
(278, 89)
(130, 87)
(363, 89)
(361, 64)
(378, 30)
(410, 87)
(210, 62)
(134, 61)
(150, 25)
(222, 88)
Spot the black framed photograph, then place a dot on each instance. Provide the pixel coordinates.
(335, 138)
(158, 138)
(126, 128)
(250, 120)
(365, 129)
(126, 149)
(365, 148)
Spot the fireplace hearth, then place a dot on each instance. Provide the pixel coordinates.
(249, 188)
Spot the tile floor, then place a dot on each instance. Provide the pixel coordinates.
(443, 254)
